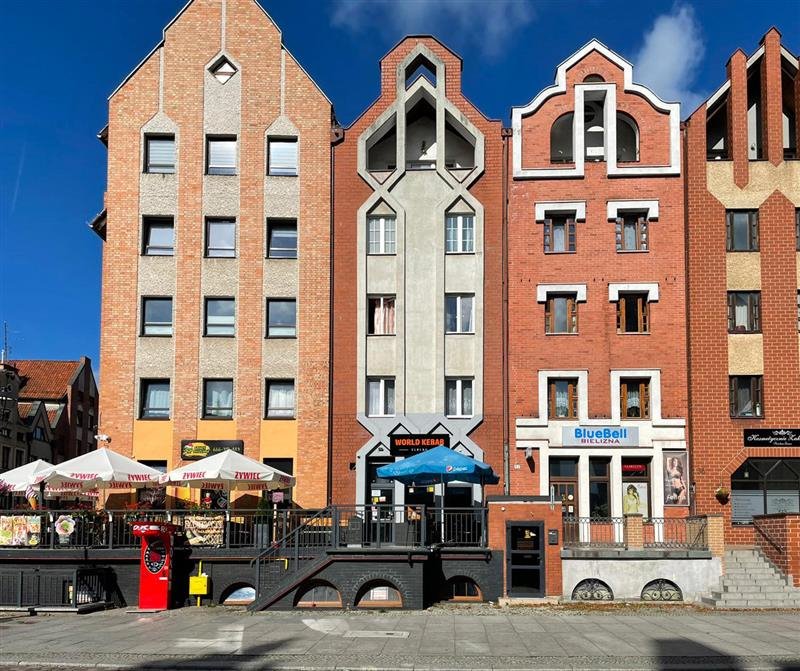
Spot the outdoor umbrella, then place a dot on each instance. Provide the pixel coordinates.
(440, 464)
(228, 470)
(99, 469)
(20, 479)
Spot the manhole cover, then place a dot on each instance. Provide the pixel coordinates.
(376, 634)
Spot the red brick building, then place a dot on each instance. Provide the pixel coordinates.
(417, 260)
(597, 349)
(742, 195)
(216, 262)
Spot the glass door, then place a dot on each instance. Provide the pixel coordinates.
(525, 559)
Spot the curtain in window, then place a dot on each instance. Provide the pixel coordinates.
(562, 400)
(467, 316)
(157, 402)
(630, 235)
(451, 314)
(560, 311)
(466, 397)
(388, 392)
(559, 237)
(374, 397)
(451, 393)
(744, 398)
(219, 398)
(740, 312)
(633, 405)
(281, 399)
(383, 317)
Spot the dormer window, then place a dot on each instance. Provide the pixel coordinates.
(223, 70)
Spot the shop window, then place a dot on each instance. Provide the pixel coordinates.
(459, 313)
(319, 595)
(634, 397)
(380, 315)
(742, 230)
(217, 399)
(633, 313)
(561, 314)
(592, 589)
(636, 486)
(765, 486)
(632, 232)
(459, 233)
(379, 594)
(559, 234)
(744, 311)
(562, 397)
(745, 395)
(561, 139)
(461, 588)
(599, 488)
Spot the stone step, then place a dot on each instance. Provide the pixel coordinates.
(753, 596)
(760, 579)
(747, 589)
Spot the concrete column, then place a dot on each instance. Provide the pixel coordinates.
(737, 118)
(772, 97)
(583, 485)
(615, 492)
(633, 532)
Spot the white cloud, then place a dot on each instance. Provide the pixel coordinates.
(485, 25)
(670, 57)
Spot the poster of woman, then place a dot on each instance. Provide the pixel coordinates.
(676, 475)
(634, 498)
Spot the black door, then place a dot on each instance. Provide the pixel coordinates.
(525, 559)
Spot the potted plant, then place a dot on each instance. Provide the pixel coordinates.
(722, 494)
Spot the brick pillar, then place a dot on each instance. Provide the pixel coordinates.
(772, 97)
(737, 118)
(715, 533)
(633, 531)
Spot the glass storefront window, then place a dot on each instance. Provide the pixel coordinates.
(765, 486)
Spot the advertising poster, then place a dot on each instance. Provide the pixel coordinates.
(676, 479)
(634, 498)
(204, 529)
(20, 530)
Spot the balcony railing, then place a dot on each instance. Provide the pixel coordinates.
(688, 533)
(680, 533)
(598, 532)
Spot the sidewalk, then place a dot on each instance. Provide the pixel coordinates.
(448, 638)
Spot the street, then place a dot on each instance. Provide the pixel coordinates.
(469, 637)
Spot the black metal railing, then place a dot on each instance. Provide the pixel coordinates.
(598, 532)
(682, 532)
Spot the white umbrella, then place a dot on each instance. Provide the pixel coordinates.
(228, 470)
(19, 479)
(103, 469)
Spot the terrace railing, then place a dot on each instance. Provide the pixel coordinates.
(690, 533)
(596, 532)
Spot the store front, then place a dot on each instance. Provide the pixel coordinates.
(764, 486)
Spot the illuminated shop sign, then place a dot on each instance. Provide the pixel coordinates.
(590, 436)
(409, 444)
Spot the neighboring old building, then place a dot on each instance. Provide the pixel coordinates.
(597, 351)
(215, 320)
(743, 194)
(417, 293)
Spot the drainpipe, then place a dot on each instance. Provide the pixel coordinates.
(506, 135)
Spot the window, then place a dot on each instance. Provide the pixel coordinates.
(38, 432)
(379, 595)
(217, 399)
(742, 230)
(633, 313)
(223, 70)
(280, 398)
(381, 235)
(746, 395)
(221, 155)
(380, 397)
(460, 233)
(563, 398)
(561, 314)
(458, 397)
(283, 157)
(632, 232)
(159, 154)
(221, 238)
(319, 595)
(154, 399)
(559, 234)
(159, 236)
(281, 318)
(78, 419)
(220, 317)
(459, 313)
(765, 486)
(282, 498)
(380, 318)
(634, 398)
(599, 488)
(744, 311)
(282, 236)
(561, 139)
(6, 462)
(156, 316)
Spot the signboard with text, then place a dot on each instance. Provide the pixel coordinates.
(413, 443)
(771, 437)
(596, 436)
(192, 450)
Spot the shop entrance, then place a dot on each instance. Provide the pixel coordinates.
(379, 524)
(525, 559)
(564, 481)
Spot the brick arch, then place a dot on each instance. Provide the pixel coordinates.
(391, 580)
(465, 573)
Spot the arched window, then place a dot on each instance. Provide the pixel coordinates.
(461, 588)
(661, 590)
(593, 78)
(318, 594)
(379, 594)
(239, 594)
(627, 139)
(764, 486)
(592, 589)
(561, 139)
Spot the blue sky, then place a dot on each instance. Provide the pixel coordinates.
(64, 58)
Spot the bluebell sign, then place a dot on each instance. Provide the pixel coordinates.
(596, 436)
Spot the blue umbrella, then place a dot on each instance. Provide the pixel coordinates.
(440, 464)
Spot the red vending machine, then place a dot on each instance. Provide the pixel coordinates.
(155, 570)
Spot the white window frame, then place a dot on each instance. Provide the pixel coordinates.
(459, 381)
(381, 235)
(460, 233)
(459, 299)
(382, 382)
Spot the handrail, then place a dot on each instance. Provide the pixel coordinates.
(278, 544)
(769, 538)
